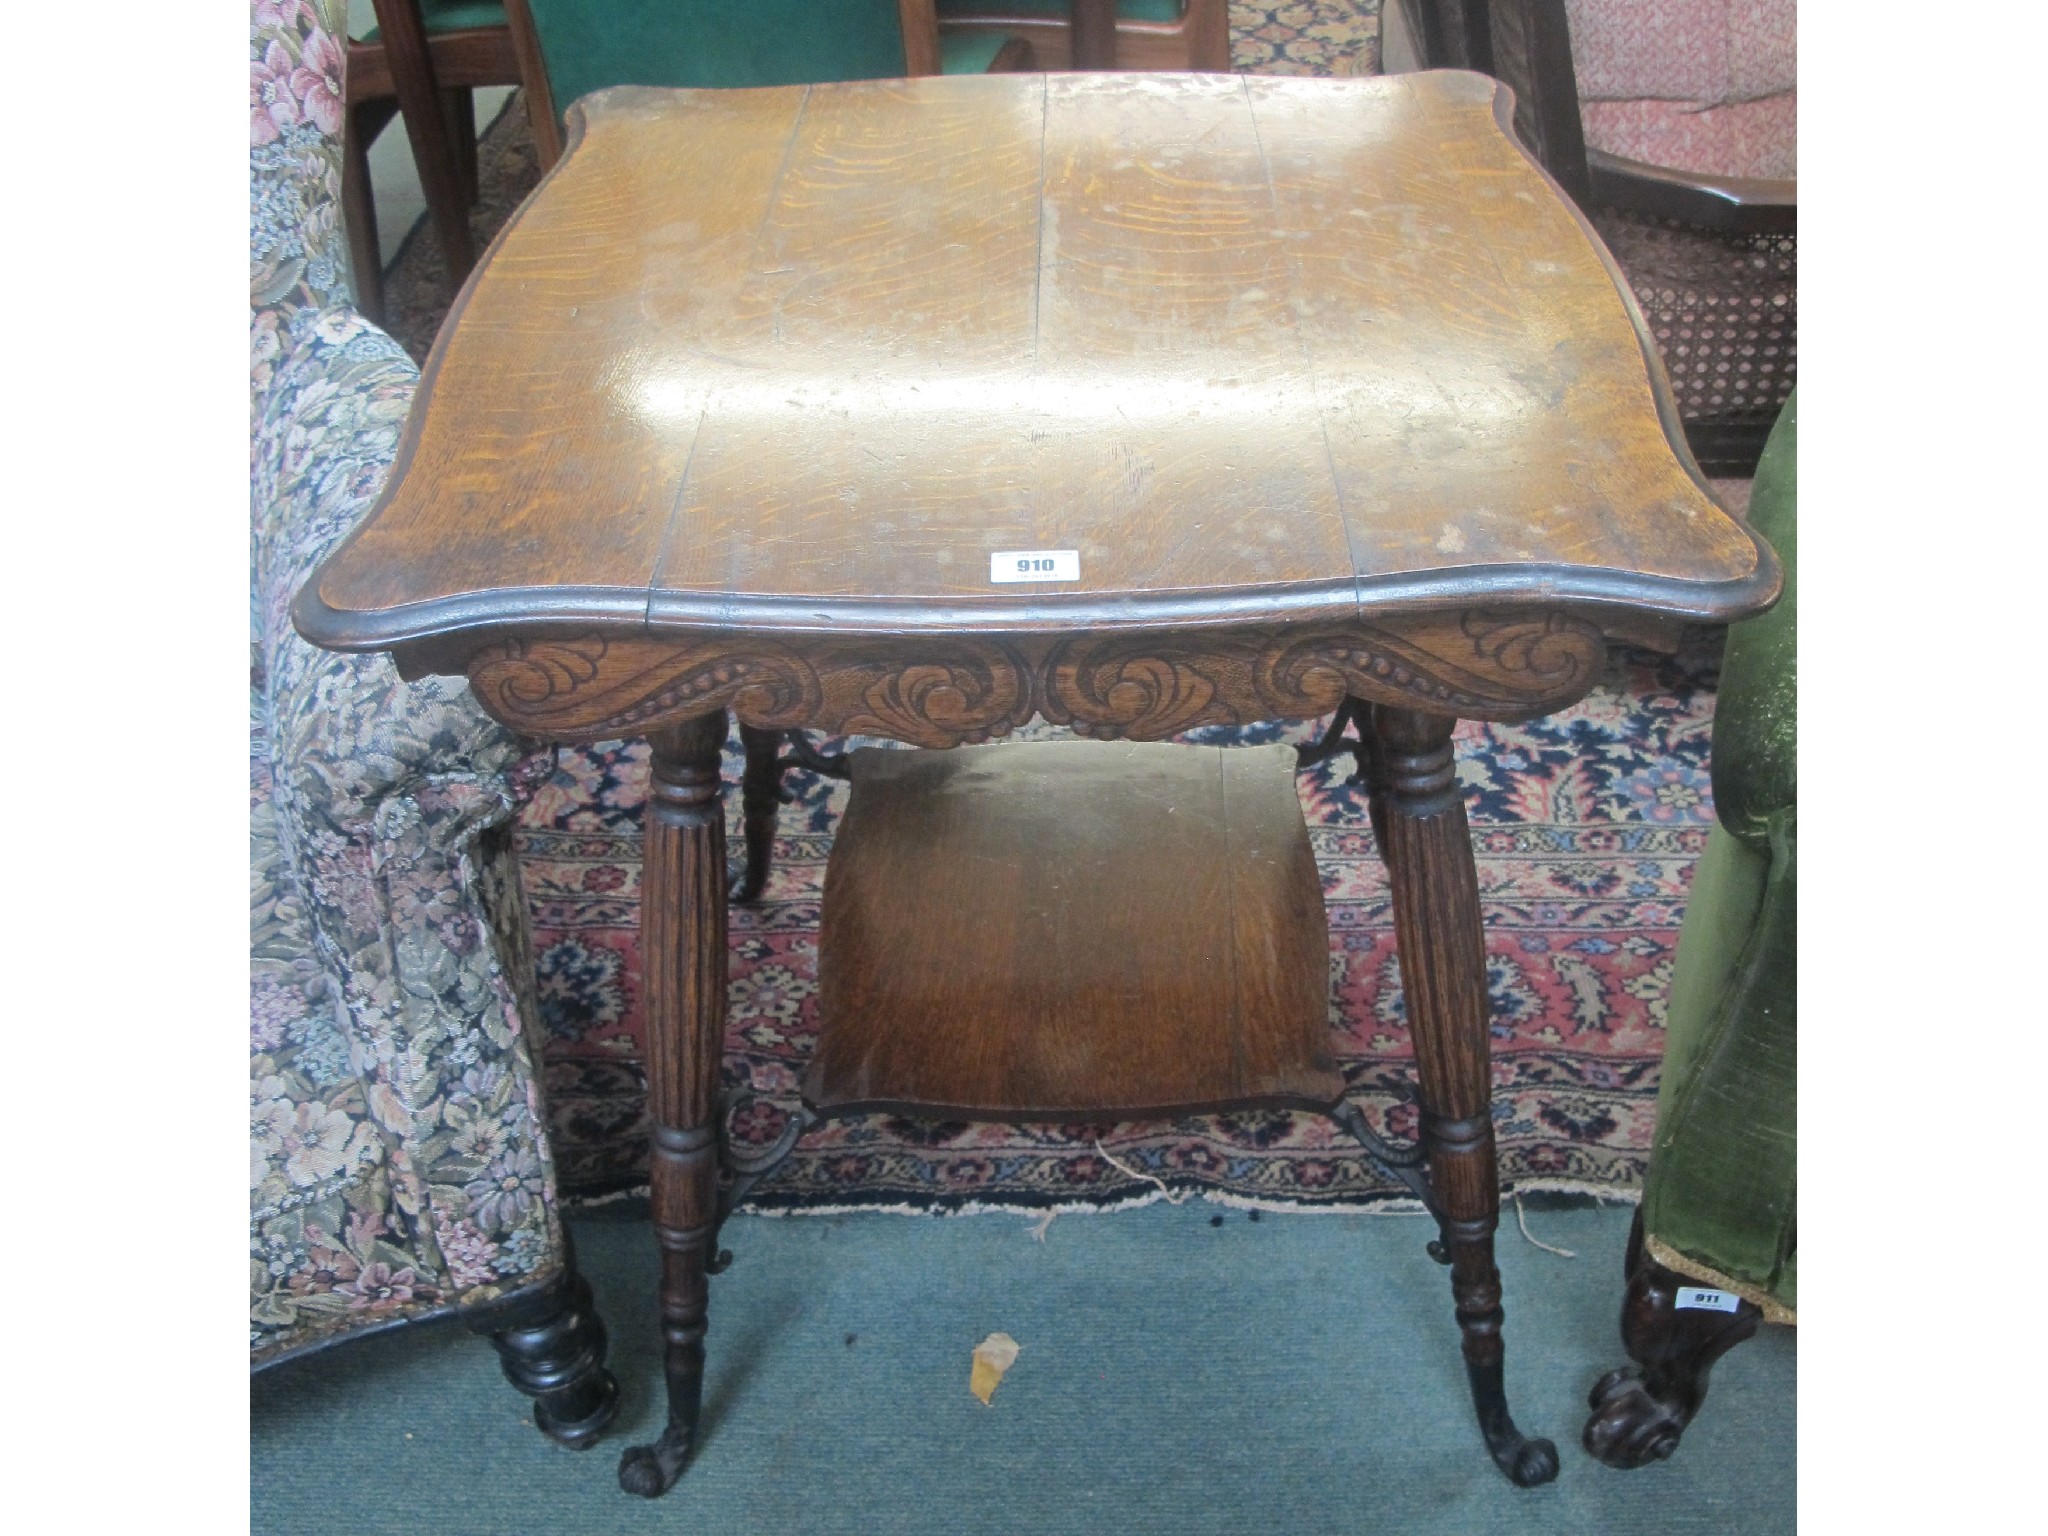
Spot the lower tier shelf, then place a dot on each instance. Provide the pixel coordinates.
(1070, 930)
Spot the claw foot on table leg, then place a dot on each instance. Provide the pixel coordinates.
(651, 1470)
(1528, 1460)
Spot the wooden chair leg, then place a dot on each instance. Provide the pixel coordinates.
(683, 927)
(461, 104)
(760, 800)
(552, 1349)
(1208, 32)
(1093, 29)
(359, 213)
(1428, 852)
(426, 126)
(1640, 1411)
(533, 85)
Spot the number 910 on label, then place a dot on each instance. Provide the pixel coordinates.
(1034, 565)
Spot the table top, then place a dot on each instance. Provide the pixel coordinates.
(1233, 349)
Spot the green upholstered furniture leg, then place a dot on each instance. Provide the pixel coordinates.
(1715, 1249)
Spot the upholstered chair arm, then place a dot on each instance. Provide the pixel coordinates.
(1756, 745)
(1722, 1191)
(298, 254)
(394, 803)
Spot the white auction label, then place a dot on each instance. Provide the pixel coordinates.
(1035, 565)
(1693, 1298)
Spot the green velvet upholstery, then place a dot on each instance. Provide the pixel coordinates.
(1722, 1189)
(1755, 729)
(1126, 10)
(590, 44)
(454, 16)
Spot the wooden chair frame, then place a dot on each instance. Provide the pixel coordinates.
(1526, 44)
(428, 79)
(920, 49)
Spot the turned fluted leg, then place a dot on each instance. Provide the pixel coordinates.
(760, 799)
(552, 1348)
(1640, 1412)
(1428, 851)
(682, 925)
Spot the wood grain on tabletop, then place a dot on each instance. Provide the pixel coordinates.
(1220, 334)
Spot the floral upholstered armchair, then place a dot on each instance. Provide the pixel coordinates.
(399, 1165)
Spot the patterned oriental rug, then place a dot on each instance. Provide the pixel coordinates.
(1587, 825)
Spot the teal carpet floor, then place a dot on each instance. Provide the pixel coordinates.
(1294, 1373)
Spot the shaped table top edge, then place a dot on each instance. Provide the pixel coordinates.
(439, 635)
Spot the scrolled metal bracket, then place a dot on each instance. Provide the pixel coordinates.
(1333, 741)
(740, 1171)
(1403, 1163)
(802, 754)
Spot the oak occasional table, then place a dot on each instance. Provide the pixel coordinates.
(1135, 403)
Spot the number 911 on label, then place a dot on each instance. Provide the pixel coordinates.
(1693, 1298)
(1035, 565)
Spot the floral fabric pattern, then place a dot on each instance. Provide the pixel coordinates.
(1305, 37)
(298, 256)
(398, 1163)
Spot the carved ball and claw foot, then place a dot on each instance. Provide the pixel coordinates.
(552, 1349)
(1640, 1411)
(651, 1470)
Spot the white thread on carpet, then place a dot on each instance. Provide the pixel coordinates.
(1522, 1220)
(1170, 1195)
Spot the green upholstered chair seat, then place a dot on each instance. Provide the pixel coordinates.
(1721, 1197)
(452, 16)
(588, 46)
(1126, 10)
(969, 54)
